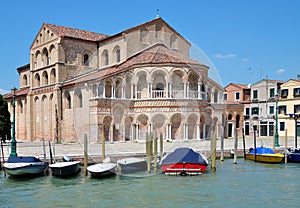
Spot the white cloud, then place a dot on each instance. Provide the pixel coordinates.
(244, 59)
(225, 56)
(280, 71)
(2, 92)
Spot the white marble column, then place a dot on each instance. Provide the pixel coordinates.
(167, 90)
(111, 133)
(199, 91)
(188, 90)
(184, 90)
(131, 90)
(137, 132)
(204, 131)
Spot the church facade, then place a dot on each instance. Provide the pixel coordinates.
(121, 87)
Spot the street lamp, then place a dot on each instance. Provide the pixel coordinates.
(276, 133)
(13, 149)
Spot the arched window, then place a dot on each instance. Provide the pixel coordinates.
(173, 41)
(52, 76)
(45, 58)
(25, 80)
(159, 32)
(117, 54)
(86, 60)
(45, 78)
(37, 80)
(105, 60)
(79, 102)
(68, 100)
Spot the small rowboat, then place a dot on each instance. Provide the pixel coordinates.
(132, 165)
(102, 169)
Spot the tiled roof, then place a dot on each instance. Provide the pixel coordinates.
(243, 86)
(63, 31)
(156, 54)
(19, 92)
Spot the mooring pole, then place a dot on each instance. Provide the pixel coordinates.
(103, 145)
(213, 149)
(4, 172)
(222, 145)
(148, 152)
(235, 147)
(285, 147)
(244, 144)
(85, 153)
(155, 152)
(161, 145)
(255, 145)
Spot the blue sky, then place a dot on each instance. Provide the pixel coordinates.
(245, 41)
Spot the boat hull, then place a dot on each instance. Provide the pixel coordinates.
(20, 169)
(132, 165)
(65, 169)
(183, 169)
(293, 158)
(265, 158)
(102, 170)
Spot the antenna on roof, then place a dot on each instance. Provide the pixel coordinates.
(157, 13)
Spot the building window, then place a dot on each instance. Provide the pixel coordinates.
(144, 35)
(263, 128)
(25, 80)
(296, 92)
(118, 55)
(173, 41)
(69, 101)
(105, 60)
(225, 96)
(281, 126)
(296, 108)
(271, 128)
(255, 94)
(247, 111)
(237, 96)
(284, 93)
(272, 92)
(237, 125)
(255, 111)
(86, 60)
(79, 102)
(271, 110)
(282, 109)
(37, 80)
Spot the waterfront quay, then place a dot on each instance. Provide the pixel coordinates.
(116, 150)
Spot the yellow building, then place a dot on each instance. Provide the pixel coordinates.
(289, 109)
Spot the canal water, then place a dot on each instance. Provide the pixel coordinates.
(245, 184)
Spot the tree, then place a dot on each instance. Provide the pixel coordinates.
(5, 123)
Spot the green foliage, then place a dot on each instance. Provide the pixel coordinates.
(5, 123)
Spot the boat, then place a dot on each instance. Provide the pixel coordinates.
(26, 165)
(184, 161)
(66, 168)
(293, 155)
(102, 169)
(264, 155)
(132, 165)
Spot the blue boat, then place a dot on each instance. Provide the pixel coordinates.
(27, 165)
(293, 155)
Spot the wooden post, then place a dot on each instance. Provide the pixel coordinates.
(255, 145)
(50, 152)
(222, 145)
(85, 153)
(4, 172)
(285, 147)
(44, 149)
(244, 144)
(235, 147)
(161, 145)
(213, 148)
(148, 153)
(155, 152)
(103, 145)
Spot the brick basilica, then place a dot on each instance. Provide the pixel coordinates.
(121, 86)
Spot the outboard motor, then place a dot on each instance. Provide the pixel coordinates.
(66, 159)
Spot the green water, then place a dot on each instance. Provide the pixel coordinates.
(246, 184)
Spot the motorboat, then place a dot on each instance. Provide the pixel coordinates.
(184, 161)
(264, 155)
